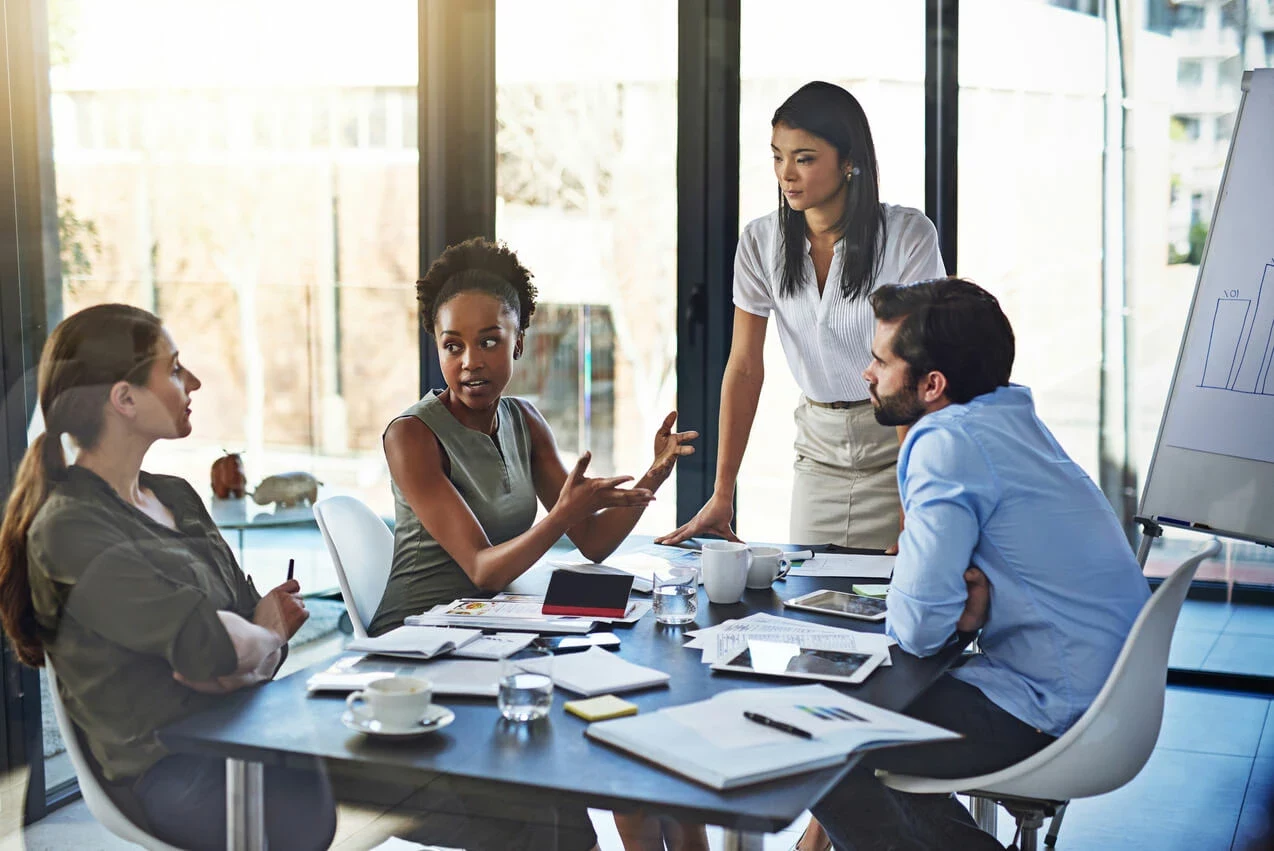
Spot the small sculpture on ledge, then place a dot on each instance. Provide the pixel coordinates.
(288, 490)
(228, 481)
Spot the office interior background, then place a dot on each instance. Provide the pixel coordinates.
(271, 178)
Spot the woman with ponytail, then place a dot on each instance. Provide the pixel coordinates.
(121, 581)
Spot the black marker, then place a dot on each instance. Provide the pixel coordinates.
(291, 565)
(778, 725)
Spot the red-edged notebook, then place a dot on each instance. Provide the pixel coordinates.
(596, 595)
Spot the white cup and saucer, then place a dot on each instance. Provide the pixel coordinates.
(396, 706)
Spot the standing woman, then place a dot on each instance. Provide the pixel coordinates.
(812, 264)
(121, 581)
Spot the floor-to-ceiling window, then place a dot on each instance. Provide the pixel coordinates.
(1029, 159)
(249, 173)
(876, 50)
(587, 195)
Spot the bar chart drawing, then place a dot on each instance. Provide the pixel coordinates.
(1241, 343)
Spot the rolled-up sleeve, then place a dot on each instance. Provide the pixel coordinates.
(948, 490)
(116, 592)
(751, 280)
(923, 260)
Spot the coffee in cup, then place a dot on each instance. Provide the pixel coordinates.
(397, 702)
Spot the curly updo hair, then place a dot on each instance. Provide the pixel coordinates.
(477, 265)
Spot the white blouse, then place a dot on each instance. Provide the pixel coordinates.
(827, 339)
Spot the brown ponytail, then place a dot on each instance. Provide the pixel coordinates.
(86, 354)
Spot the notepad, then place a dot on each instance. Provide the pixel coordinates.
(415, 642)
(600, 708)
(596, 671)
(712, 742)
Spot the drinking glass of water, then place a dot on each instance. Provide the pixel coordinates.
(526, 685)
(675, 594)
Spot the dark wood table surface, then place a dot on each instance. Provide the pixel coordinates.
(277, 723)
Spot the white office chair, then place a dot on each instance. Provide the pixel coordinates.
(99, 803)
(1110, 742)
(362, 549)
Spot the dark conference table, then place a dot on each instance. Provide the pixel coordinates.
(550, 760)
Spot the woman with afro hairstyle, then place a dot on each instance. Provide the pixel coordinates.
(468, 463)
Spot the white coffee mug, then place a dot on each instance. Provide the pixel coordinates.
(766, 564)
(396, 702)
(725, 570)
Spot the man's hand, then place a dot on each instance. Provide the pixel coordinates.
(978, 605)
(282, 611)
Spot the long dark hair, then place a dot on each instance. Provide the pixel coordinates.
(87, 354)
(836, 116)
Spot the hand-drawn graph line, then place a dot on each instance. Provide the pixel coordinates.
(1241, 342)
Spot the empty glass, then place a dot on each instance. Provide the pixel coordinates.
(526, 685)
(675, 595)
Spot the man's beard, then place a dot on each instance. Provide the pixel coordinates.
(900, 409)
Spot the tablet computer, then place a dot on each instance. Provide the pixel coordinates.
(840, 603)
(785, 659)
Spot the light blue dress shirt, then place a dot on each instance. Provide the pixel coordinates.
(985, 483)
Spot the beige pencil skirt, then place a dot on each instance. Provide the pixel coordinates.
(846, 486)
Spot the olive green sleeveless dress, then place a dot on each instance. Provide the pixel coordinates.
(493, 475)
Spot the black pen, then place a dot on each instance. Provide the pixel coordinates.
(778, 725)
(291, 565)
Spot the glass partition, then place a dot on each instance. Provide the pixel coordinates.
(587, 196)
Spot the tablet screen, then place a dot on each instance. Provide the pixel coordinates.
(846, 604)
(776, 657)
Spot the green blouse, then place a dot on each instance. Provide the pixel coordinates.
(492, 474)
(124, 602)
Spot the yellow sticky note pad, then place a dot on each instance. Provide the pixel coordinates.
(600, 708)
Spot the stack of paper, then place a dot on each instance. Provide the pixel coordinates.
(723, 641)
(596, 671)
(472, 677)
(512, 612)
(845, 565)
(713, 743)
(520, 612)
(416, 642)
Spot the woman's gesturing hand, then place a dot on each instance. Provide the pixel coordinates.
(581, 496)
(712, 520)
(669, 446)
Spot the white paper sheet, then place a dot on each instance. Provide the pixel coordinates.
(846, 565)
(772, 627)
(495, 646)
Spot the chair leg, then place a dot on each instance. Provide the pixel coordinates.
(1050, 839)
(984, 813)
(1029, 824)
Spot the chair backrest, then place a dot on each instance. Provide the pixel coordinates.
(99, 803)
(362, 549)
(1111, 742)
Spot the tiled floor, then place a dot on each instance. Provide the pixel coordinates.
(1209, 784)
(1224, 637)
